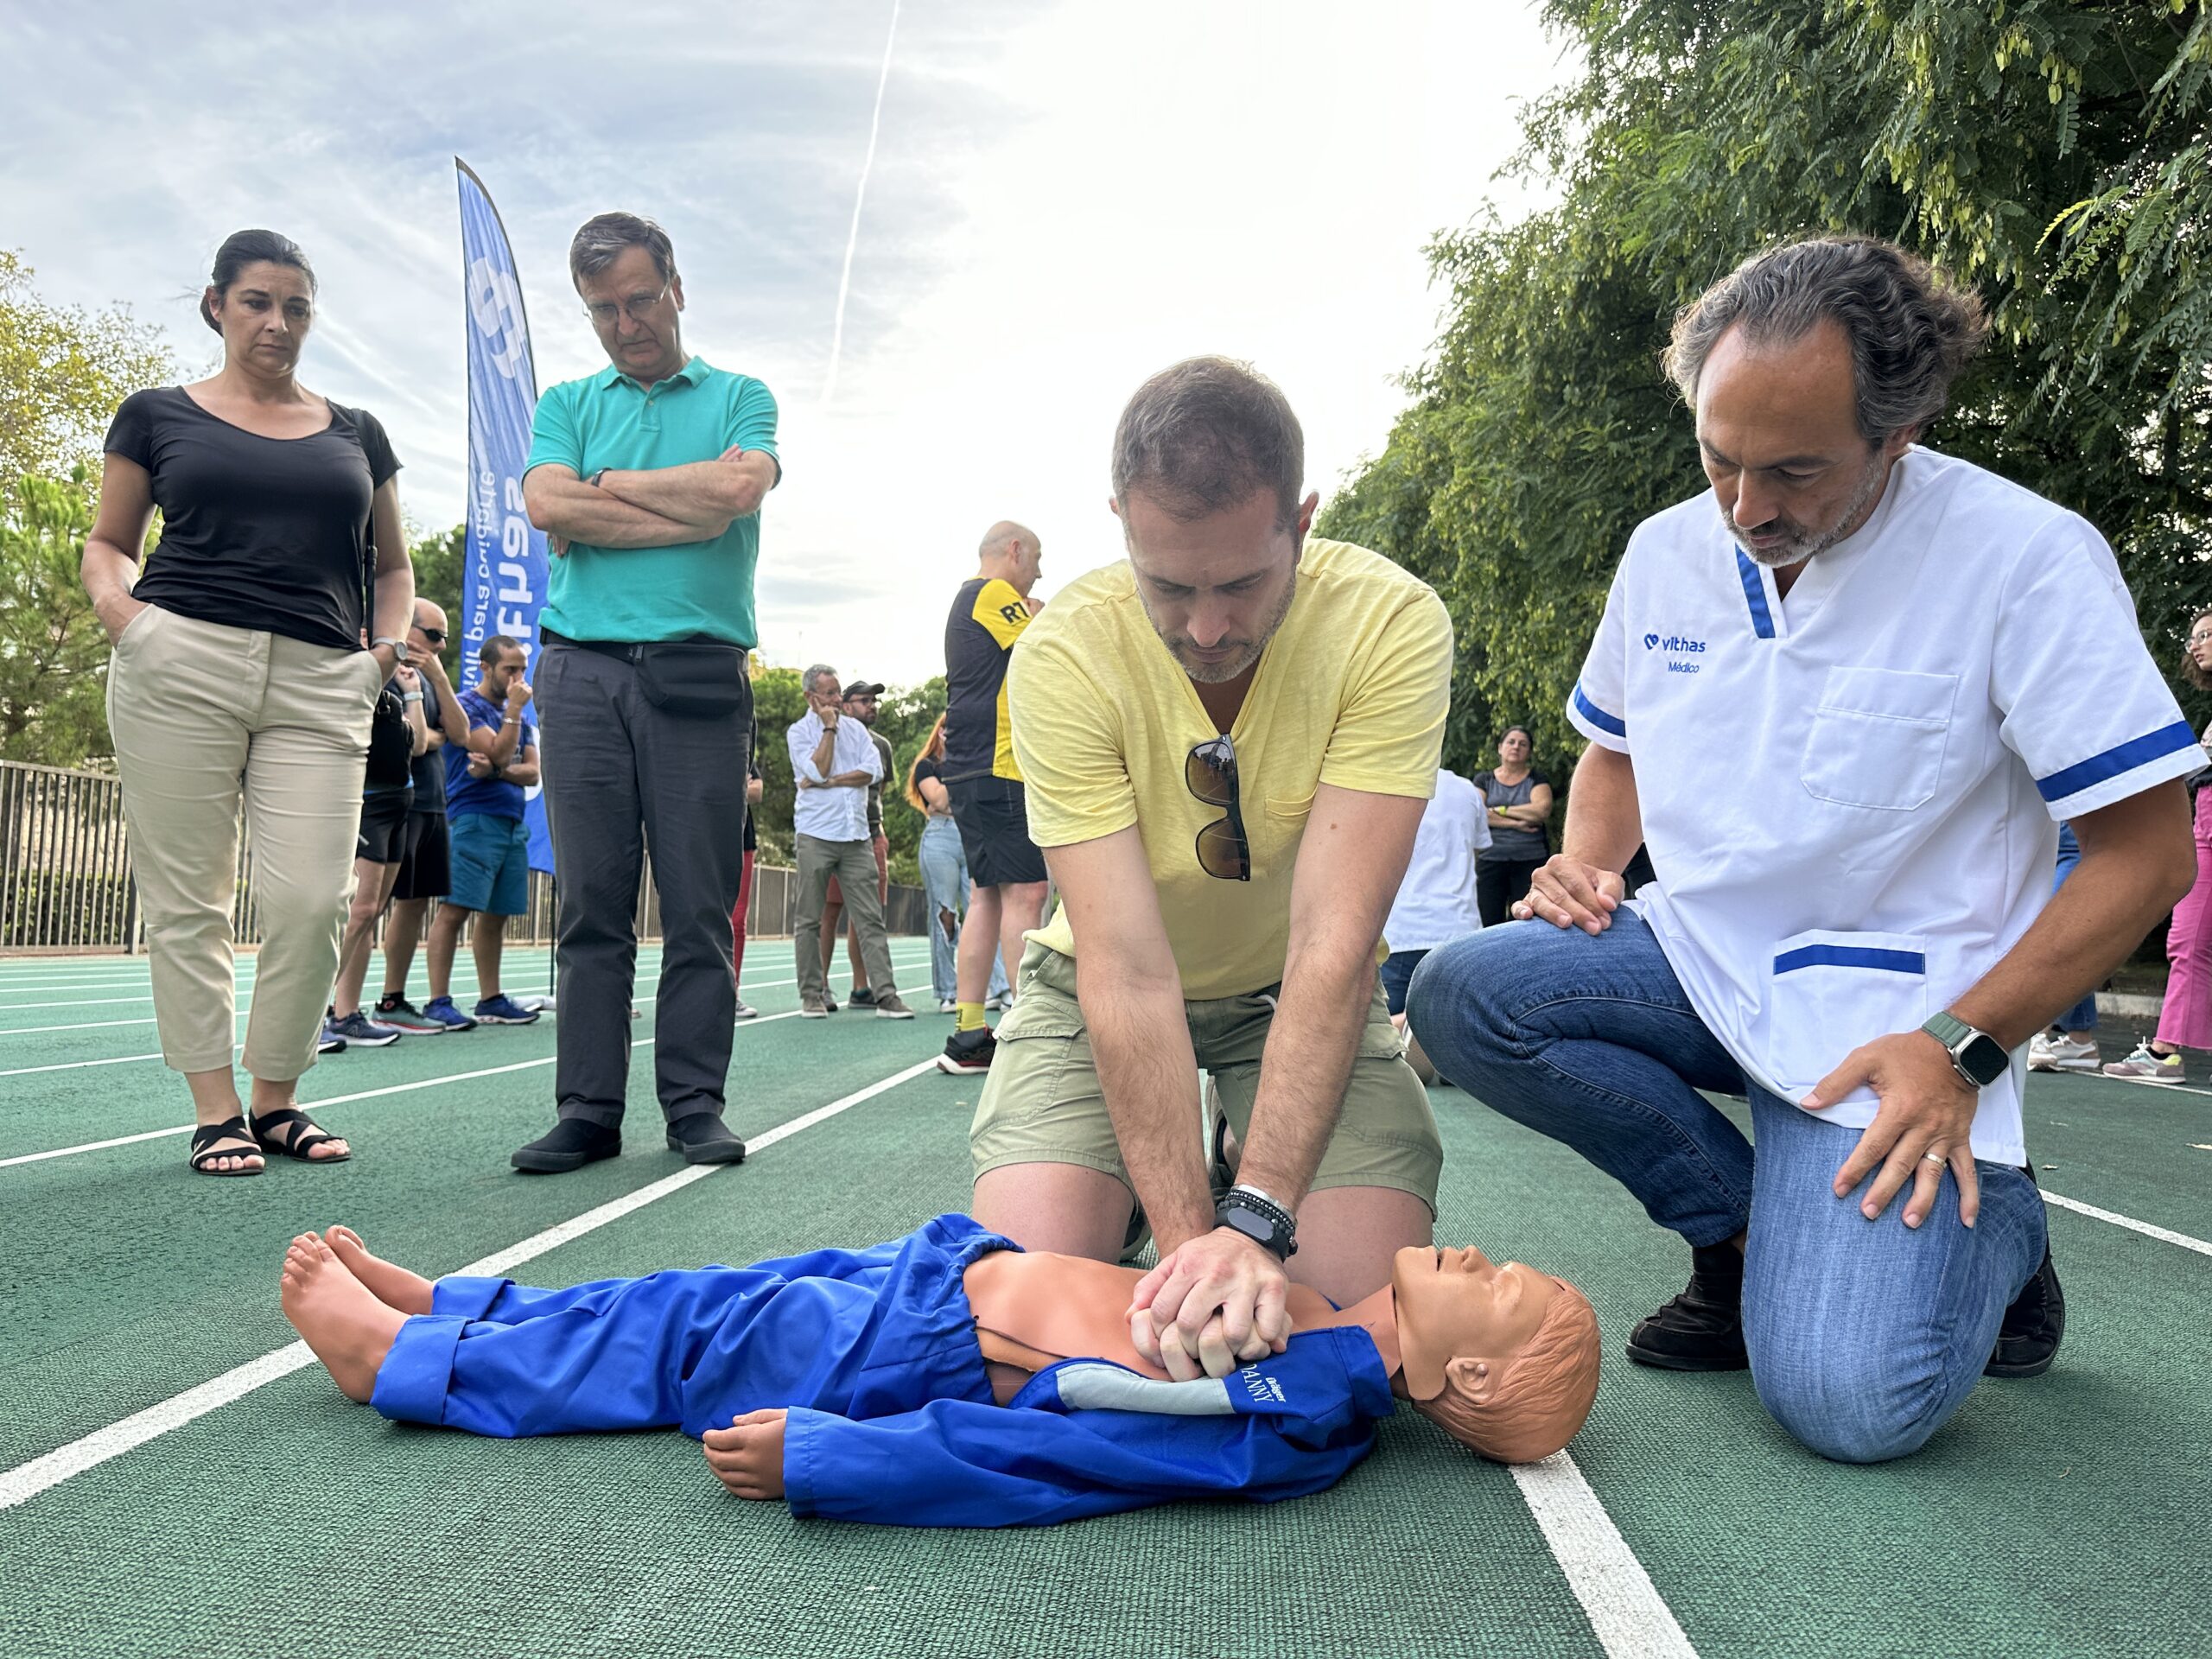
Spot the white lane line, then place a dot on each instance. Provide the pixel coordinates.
(2162, 1233)
(341, 1100)
(126, 1059)
(28, 1480)
(1631, 1619)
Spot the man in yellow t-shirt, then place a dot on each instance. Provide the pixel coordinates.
(1227, 741)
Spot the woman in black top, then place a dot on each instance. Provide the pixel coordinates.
(249, 655)
(1520, 799)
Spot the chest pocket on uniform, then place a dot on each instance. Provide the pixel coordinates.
(1878, 738)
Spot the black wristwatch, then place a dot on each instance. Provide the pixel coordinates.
(1977, 1058)
(1248, 1210)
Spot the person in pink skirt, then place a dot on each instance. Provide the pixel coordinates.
(2185, 1018)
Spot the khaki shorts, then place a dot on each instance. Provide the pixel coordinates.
(1041, 1105)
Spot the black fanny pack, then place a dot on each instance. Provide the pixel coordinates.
(705, 678)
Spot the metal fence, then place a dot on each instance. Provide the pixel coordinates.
(66, 881)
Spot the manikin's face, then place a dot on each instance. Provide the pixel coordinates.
(1218, 588)
(633, 311)
(1778, 431)
(1456, 1305)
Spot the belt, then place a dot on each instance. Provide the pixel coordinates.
(633, 651)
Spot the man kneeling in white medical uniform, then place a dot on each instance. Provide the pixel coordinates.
(1830, 695)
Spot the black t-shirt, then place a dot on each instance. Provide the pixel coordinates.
(430, 765)
(268, 534)
(926, 768)
(988, 617)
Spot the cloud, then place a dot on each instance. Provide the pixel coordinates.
(1065, 198)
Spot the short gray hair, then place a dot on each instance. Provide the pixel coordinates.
(602, 240)
(1910, 331)
(1199, 437)
(806, 681)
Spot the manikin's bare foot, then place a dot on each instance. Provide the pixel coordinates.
(349, 1329)
(389, 1283)
(748, 1457)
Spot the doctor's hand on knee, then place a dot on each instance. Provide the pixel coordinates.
(1924, 1126)
(1566, 893)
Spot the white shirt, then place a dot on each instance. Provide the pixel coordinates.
(832, 814)
(1851, 797)
(1436, 901)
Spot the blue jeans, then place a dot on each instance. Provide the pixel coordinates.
(1397, 973)
(945, 880)
(2082, 1016)
(1865, 1336)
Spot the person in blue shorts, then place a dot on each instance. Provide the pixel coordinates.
(948, 1378)
(485, 781)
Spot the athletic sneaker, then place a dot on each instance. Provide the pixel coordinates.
(745, 1011)
(998, 1004)
(504, 1010)
(361, 1032)
(2145, 1066)
(889, 1004)
(968, 1053)
(862, 996)
(946, 1005)
(2049, 1054)
(328, 1044)
(450, 1017)
(813, 1007)
(397, 1011)
(829, 1002)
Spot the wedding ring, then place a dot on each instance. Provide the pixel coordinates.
(1933, 1157)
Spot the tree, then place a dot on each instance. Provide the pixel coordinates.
(2050, 152)
(62, 372)
(438, 559)
(53, 652)
(903, 717)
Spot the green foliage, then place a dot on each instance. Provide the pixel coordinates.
(438, 560)
(2053, 153)
(62, 372)
(53, 652)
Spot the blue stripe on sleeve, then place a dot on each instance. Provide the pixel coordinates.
(1599, 717)
(1850, 955)
(1755, 591)
(2124, 756)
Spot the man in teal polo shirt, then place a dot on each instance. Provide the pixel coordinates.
(648, 479)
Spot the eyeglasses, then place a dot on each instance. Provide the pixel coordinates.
(638, 306)
(435, 636)
(1210, 770)
(2200, 636)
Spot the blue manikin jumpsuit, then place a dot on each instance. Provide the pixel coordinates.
(874, 1354)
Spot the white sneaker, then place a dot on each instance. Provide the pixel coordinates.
(2040, 1058)
(2073, 1054)
(948, 1005)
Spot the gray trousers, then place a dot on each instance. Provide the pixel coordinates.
(852, 862)
(621, 775)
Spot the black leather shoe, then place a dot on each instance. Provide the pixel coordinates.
(1702, 1329)
(573, 1143)
(2028, 1340)
(704, 1138)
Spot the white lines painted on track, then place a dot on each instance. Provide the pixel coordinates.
(28, 1480)
(342, 1100)
(2163, 1235)
(1631, 1619)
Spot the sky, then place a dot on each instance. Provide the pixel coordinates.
(1065, 198)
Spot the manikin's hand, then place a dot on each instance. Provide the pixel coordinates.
(1927, 1115)
(1222, 1279)
(1566, 893)
(748, 1457)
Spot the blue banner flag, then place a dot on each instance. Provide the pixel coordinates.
(503, 582)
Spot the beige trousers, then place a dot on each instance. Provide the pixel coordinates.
(205, 718)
